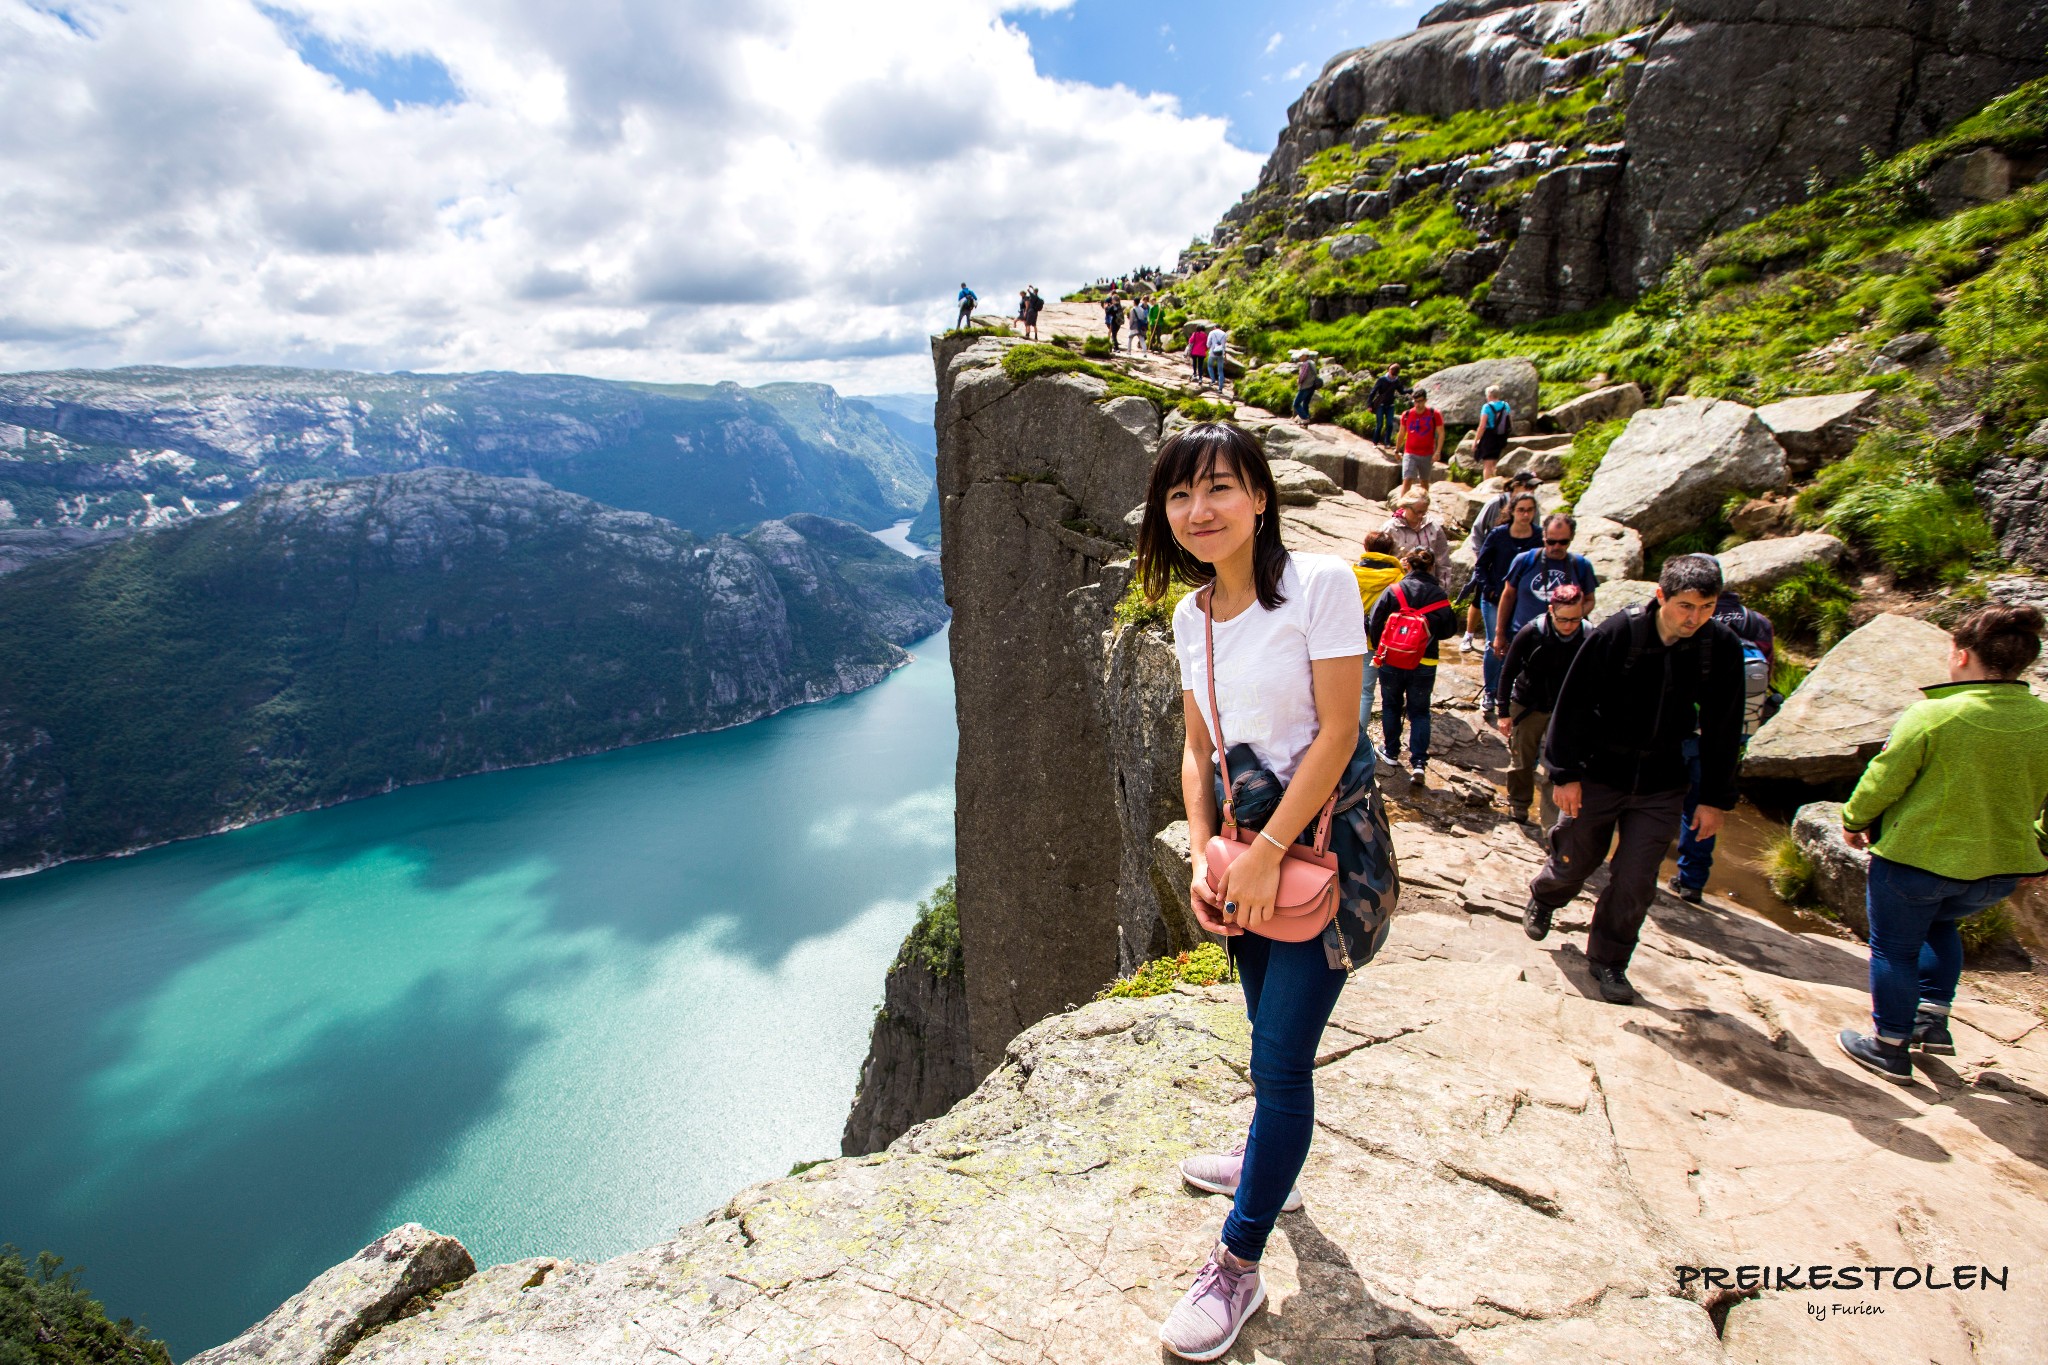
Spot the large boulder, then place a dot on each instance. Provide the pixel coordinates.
(1840, 873)
(1542, 456)
(1759, 565)
(322, 1323)
(1349, 461)
(1601, 405)
(1620, 595)
(1460, 391)
(1844, 711)
(1615, 550)
(1302, 485)
(1674, 466)
(1562, 260)
(1819, 428)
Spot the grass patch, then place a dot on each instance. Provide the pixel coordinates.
(1589, 448)
(1787, 674)
(800, 1167)
(1990, 928)
(1097, 347)
(1906, 500)
(1133, 610)
(1205, 966)
(1812, 604)
(1203, 410)
(981, 330)
(934, 941)
(1791, 873)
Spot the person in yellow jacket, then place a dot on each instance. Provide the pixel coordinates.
(1378, 569)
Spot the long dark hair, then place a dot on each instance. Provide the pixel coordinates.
(1189, 456)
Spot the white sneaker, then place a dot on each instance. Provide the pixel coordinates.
(1469, 644)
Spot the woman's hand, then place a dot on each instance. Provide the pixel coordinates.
(1253, 882)
(1207, 913)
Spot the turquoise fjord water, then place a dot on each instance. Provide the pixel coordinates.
(562, 1010)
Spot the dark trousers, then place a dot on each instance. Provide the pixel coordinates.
(1406, 692)
(1289, 991)
(1383, 425)
(1646, 825)
(1525, 752)
(1916, 951)
(1301, 397)
(966, 315)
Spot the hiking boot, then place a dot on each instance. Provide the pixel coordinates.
(1930, 1034)
(1215, 1174)
(1889, 1060)
(1691, 894)
(1536, 920)
(1613, 984)
(1205, 1323)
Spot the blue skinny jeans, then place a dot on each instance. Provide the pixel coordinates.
(1916, 951)
(1301, 400)
(1492, 664)
(1383, 425)
(1289, 991)
(1695, 855)
(1216, 369)
(1407, 691)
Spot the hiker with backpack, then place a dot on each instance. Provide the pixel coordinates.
(1759, 656)
(1645, 681)
(1503, 546)
(967, 301)
(1113, 317)
(1307, 379)
(1378, 568)
(1534, 574)
(1407, 624)
(1219, 349)
(1422, 442)
(1492, 513)
(1954, 811)
(1496, 424)
(1198, 350)
(1291, 862)
(1139, 311)
(1034, 304)
(1384, 398)
(1531, 676)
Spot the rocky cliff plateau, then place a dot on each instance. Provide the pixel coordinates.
(329, 640)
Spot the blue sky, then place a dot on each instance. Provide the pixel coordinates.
(1243, 62)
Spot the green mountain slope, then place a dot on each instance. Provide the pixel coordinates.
(332, 640)
(142, 445)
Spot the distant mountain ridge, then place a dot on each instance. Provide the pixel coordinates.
(334, 639)
(149, 444)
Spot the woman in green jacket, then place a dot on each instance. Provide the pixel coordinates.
(1955, 813)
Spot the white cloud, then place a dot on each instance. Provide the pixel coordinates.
(1273, 43)
(662, 189)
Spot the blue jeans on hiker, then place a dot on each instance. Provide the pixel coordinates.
(1367, 694)
(1407, 691)
(1916, 951)
(1695, 855)
(1301, 397)
(1492, 663)
(1383, 425)
(1289, 991)
(1216, 370)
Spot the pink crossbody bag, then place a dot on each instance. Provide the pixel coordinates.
(1307, 899)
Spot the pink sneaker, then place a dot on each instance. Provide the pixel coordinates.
(1205, 1323)
(1214, 1174)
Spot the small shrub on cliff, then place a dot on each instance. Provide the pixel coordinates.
(1791, 873)
(1205, 966)
(1589, 448)
(1908, 501)
(1813, 603)
(1992, 927)
(1265, 389)
(46, 1318)
(1097, 347)
(934, 941)
(1133, 610)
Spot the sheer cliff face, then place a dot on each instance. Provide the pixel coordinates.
(1734, 110)
(1033, 482)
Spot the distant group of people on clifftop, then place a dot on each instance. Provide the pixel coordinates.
(1637, 722)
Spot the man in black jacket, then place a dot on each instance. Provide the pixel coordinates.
(1386, 395)
(1530, 678)
(1646, 680)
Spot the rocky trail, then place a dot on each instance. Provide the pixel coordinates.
(1506, 1168)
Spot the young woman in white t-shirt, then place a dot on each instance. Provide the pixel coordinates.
(1290, 646)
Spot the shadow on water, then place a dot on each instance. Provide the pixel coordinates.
(235, 1060)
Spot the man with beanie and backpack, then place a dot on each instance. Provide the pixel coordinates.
(1646, 680)
(1403, 631)
(1531, 676)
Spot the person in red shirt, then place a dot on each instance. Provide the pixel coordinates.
(1422, 441)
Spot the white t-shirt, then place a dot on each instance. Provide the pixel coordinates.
(1219, 341)
(1264, 683)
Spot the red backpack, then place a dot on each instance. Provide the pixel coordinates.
(1406, 640)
